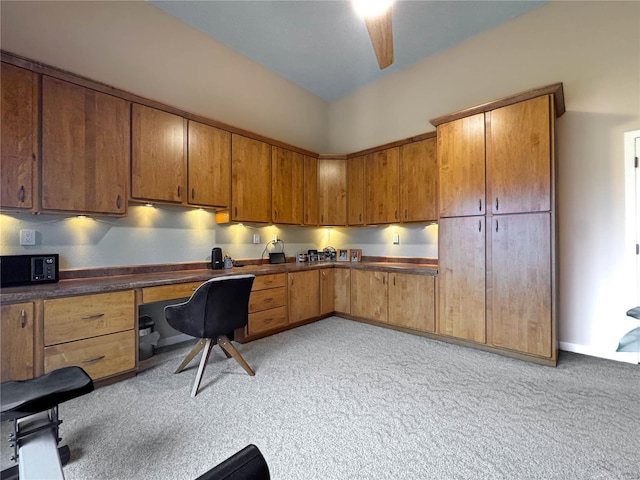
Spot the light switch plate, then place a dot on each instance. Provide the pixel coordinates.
(27, 237)
(396, 239)
(256, 238)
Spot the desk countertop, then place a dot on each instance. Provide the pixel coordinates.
(111, 283)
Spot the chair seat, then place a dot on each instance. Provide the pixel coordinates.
(20, 398)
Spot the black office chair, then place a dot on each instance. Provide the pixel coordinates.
(215, 310)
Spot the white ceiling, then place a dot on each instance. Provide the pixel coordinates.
(323, 46)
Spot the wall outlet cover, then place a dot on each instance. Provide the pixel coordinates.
(27, 237)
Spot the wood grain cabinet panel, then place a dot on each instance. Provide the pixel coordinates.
(157, 155)
(169, 292)
(287, 169)
(382, 183)
(461, 278)
(342, 290)
(99, 356)
(519, 157)
(310, 191)
(208, 165)
(461, 167)
(17, 341)
(419, 181)
(369, 297)
(355, 191)
(18, 138)
(266, 320)
(74, 318)
(519, 289)
(85, 149)
(327, 291)
(304, 295)
(412, 301)
(332, 191)
(250, 180)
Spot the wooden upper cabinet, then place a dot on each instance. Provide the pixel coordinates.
(355, 191)
(461, 278)
(85, 149)
(382, 183)
(519, 156)
(332, 191)
(158, 155)
(310, 191)
(520, 285)
(419, 181)
(287, 169)
(250, 180)
(208, 165)
(19, 137)
(461, 166)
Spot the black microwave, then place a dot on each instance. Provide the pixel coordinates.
(28, 269)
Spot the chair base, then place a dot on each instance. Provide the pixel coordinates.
(207, 344)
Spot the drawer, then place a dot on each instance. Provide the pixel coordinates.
(263, 282)
(99, 356)
(266, 299)
(75, 318)
(169, 292)
(267, 320)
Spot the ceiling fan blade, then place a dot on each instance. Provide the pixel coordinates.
(381, 35)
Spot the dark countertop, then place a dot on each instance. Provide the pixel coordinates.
(112, 283)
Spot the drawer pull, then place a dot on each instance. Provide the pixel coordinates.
(268, 320)
(93, 317)
(268, 282)
(268, 300)
(94, 360)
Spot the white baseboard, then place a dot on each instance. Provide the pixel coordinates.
(626, 357)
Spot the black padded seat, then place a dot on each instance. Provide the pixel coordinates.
(20, 398)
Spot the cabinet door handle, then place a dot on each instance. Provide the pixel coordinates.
(480, 205)
(93, 317)
(193, 193)
(360, 217)
(497, 204)
(93, 360)
(384, 280)
(21, 193)
(321, 218)
(479, 225)
(394, 280)
(306, 217)
(395, 215)
(23, 319)
(235, 210)
(118, 202)
(275, 214)
(406, 214)
(497, 225)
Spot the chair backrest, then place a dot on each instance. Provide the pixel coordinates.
(217, 307)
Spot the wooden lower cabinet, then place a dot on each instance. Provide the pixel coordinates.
(327, 291)
(412, 301)
(169, 292)
(461, 278)
(369, 295)
(96, 332)
(16, 336)
(519, 309)
(267, 305)
(304, 295)
(342, 290)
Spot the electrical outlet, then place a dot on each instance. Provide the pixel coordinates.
(27, 237)
(256, 238)
(396, 239)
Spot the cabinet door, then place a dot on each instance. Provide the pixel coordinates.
(519, 157)
(16, 334)
(461, 167)
(412, 301)
(369, 295)
(18, 137)
(310, 202)
(382, 179)
(419, 181)
(461, 278)
(519, 310)
(157, 155)
(355, 191)
(342, 290)
(304, 295)
(327, 291)
(250, 180)
(332, 191)
(286, 186)
(209, 165)
(85, 149)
